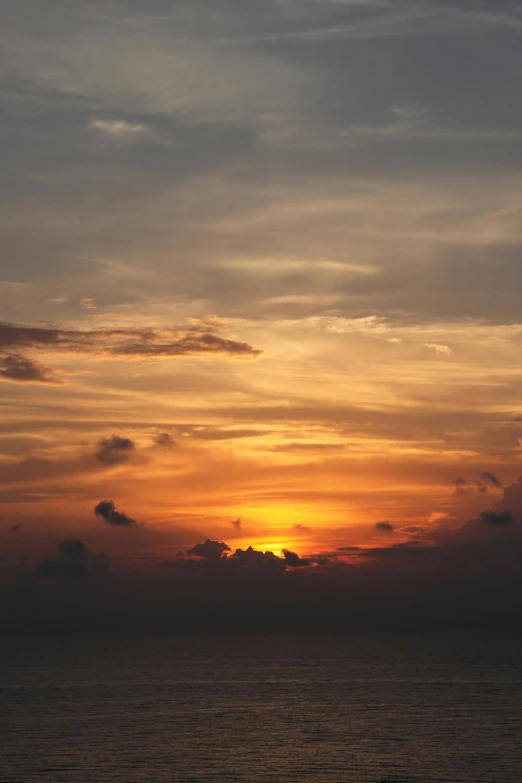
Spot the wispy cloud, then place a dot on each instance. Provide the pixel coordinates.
(105, 343)
(412, 123)
(88, 303)
(443, 350)
(404, 18)
(121, 130)
(14, 367)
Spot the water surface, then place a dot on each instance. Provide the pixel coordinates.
(255, 708)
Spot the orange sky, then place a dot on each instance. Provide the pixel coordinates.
(273, 251)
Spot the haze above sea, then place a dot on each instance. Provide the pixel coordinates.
(252, 708)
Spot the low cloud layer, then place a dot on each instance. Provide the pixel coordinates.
(210, 550)
(74, 561)
(497, 519)
(440, 578)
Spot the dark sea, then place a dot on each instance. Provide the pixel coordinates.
(319, 708)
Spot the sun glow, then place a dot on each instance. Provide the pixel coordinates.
(275, 545)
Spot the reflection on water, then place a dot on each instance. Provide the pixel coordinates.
(258, 708)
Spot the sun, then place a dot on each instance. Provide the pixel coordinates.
(275, 527)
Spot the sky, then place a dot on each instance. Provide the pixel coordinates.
(260, 277)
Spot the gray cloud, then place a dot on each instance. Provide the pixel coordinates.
(122, 342)
(384, 527)
(121, 131)
(74, 549)
(497, 518)
(254, 560)
(60, 569)
(14, 367)
(486, 481)
(114, 450)
(294, 560)
(460, 482)
(210, 550)
(279, 103)
(165, 440)
(491, 480)
(75, 560)
(106, 510)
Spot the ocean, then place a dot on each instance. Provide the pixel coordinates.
(320, 708)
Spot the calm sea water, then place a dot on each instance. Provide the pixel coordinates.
(315, 708)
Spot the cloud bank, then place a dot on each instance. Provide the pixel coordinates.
(439, 578)
(106, 343)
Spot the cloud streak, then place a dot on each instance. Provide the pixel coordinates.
(129, 344)
(20, 369)
(120, 130)
(124, 343)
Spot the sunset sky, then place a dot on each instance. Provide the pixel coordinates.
(260, 277)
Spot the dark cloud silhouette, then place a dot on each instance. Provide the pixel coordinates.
(74, 549)
(236, 523)
(16, 528)
(397, 550)
(106, 510)
(60, 569)
(293, 560)
(384, 527)
(210, 550)
(460, 482)
(486, 481)
(258, 561)
(466, 583)
(497, 518)
(190, 343)
(122, 342)
(74, 561)
(491, 480)
(165, 440)
(320, 560)
(14, 367)
(461, 486)
(114, 450)
(464, 577)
